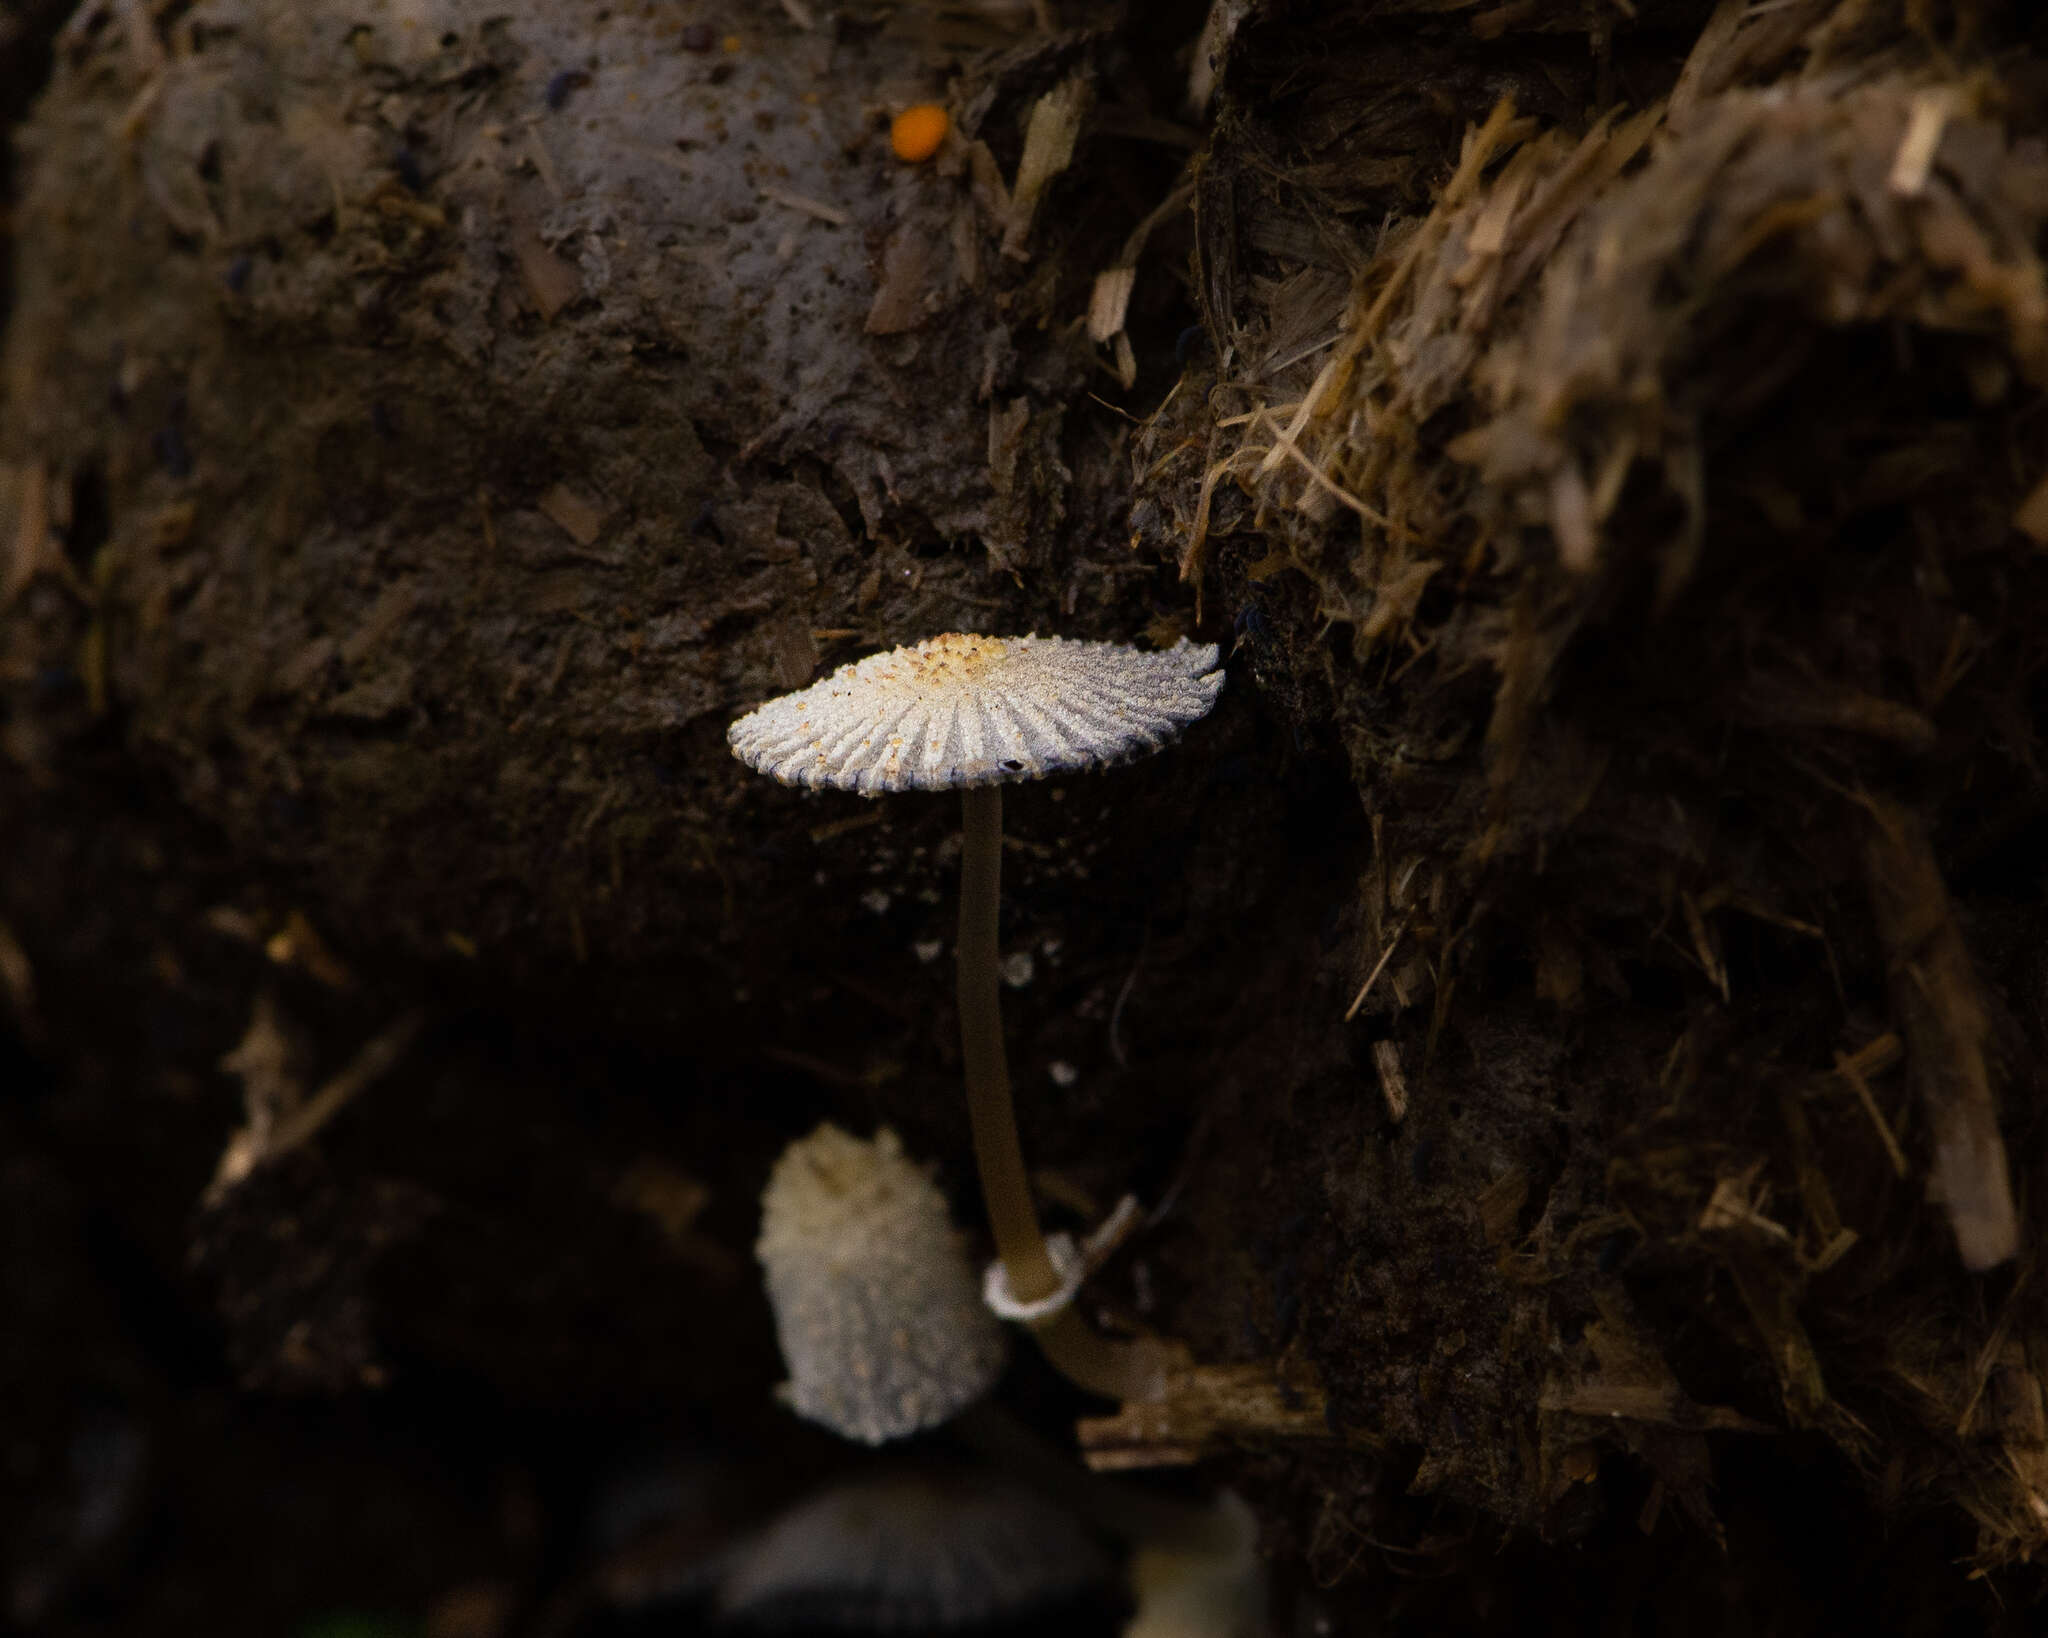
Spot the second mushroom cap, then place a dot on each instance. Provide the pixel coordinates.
(875, 1304)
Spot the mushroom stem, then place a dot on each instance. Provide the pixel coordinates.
(1133, 1370)
(1004, 1185)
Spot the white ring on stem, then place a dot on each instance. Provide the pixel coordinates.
(1067, 1262)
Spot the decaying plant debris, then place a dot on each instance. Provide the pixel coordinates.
(1573, 1020)
(1656, 510)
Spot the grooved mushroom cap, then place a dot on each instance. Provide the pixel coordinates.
(911, 1552)
(879, 1314)
(962, 710)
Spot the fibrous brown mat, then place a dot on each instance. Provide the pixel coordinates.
(1656, 492)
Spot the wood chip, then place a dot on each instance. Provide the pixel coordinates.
(299, 944)
(551, 282)
(1658, 1402)
(1914, 161)
(1124, 360)
(1631, 1382)
(795, 651)
(810, 207)
(1109, 300)
(1942, 1019)
(1048, 149)
(1386, 1058)
(1206, 1405)
(578, 518)
(1737, 1203)
(37, 551)
(904, 298)
(277, 1117)
(1210, 49)
(264, 1062)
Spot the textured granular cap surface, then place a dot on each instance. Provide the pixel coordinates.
(962, 710)
(878, 1311)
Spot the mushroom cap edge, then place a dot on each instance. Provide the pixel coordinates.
(961, 710)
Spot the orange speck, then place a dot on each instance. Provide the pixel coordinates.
(917, 132)
(732, 42)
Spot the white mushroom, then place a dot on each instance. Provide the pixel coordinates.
(958, 711)
(1212, 1589)
(1195, 1569)
(876, 1305)
(912, 1552)
(973, 713)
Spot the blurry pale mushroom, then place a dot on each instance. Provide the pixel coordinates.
(912, 1552)
(875, 1301)
(1214, 1589)
(970, 713)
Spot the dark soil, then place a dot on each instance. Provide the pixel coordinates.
(422, 433)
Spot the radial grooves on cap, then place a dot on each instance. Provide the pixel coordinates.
(911, 1552)
(1073, 726)
(961, 710)
(977, 742)
(1099, 717)
(1036, 726)
(943, 754)
(898, 733)
(1013, 734)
